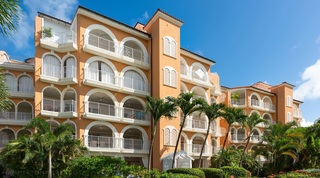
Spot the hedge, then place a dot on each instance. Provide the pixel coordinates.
(212, 172)
(234, 171)
(189, 171)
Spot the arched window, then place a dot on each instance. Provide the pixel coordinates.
(170, 76)
(289, 101)
(169, 46)
(100, 71)
(170, 136)
(51, 66)
(134, 80)
(25, 84)
(11, 82)
(69, 68)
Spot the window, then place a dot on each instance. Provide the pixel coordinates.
(169, 46)
(289, 117)
(289, 101)
(170, 77)
(170, 136)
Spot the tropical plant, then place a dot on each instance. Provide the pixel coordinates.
(5, 103)
(188, 104)
(252, 121)
(158, 108)
(47, 32)
(281, 146)
(37, 153)
(9, 18)
(212, 112)
(231, 115)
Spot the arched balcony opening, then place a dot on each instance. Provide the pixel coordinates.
(267, 104)
(8, 114)
(133, 109)
(254, 101)
(101, 39)
(51, 99)
(24, 111)
(215, 149)
(238, 98)
(69, 68)
(241, 134)
(268, 118)
(134, 80)
(100, 103)
(197, 143)
(69, 101)
(199, 73)
(100, 72)
(255, 137)
(51, 66)
(5, 136)
(199, 121)
(233, 134)
(10, 82)
(199, 93)
(101, 136)
(23, 132)
(240, 147)
(74, 135)
(25, 84)
(183, 144)
(183, 67)
(53, 125)
(132, 139)
(132, 50)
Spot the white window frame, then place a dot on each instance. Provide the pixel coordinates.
(173, 77)
(172, 48)
(171, 141)
(289, 117)
(289, 101)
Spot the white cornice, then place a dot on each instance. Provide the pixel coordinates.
(19, 67)
(193, 56)
(112, 23)
(164, 16)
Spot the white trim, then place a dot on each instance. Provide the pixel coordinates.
(143, 132)
(193, 56)
(139, 43)
(102, 28)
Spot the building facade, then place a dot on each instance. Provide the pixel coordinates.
(94, 73)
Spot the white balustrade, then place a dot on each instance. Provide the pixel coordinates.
(199, 124)
(100, 76)
(136, 84)
(238, 102)
(101, 108)
(51, 105)
(133, 53)
(135, 114)
(101, 42)
(62, 37)
(69, 105)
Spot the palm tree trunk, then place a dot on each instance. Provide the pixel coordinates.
(244, 150)
(224, 144)
(50, 164)
(178, 140)
(204, 142)
(151, 147)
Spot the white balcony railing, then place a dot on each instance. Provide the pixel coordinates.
(199, 124)
(196, 148)
(133, 53)
(263, 105)
(62, 37)
(100, 76)
(268, 106)
(296, 113)
(238, 102)
(136, 84)
(101, 108)
(241, 137)
(70, 72)
(28, 89)
(55, 71)
(26, 116)
(197, 77)
(255, 138)
(70, 105)
(116, 143)
(10, 115)
(51, 105)
(255, 102)
(101, 42)
(135, 114)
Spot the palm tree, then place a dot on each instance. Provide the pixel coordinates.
(231, 115)
(280, 142)
(188, 104)
(212, 111)
(50, 140)
(158, 108)
(252, 121)
(9, 10)
(5, 103)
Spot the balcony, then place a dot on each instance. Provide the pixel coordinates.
(61, 42)
(239, 138)
(195, 149)
(22, 91)
(255, 139)
(15, 118)
(192, 77)
(53, 74)
(58, 109)
(265, 106)
(216, 132)
(215, 150)
(116, 145)
(238, 102)
(135, 116)
(297, 114)
(195, 125)
(105, 47)
(100, 111)
(134, 85)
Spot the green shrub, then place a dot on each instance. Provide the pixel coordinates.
(234, 171)
(172, 175)
(212, 172)
(188, 171)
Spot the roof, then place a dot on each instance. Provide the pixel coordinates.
(40, 14)
(179, 155)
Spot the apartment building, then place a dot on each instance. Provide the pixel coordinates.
(94, 73)
(273, 103)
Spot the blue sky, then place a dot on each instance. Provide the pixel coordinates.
(271, 41)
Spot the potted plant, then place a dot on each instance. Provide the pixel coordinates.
(47, 32)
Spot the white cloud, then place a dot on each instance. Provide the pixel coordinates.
(310, 83)
(142, 19)
(57, 8)
(305, 123)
